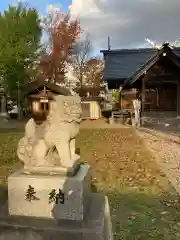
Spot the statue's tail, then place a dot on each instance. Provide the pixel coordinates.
(30, 128)
(21, 149)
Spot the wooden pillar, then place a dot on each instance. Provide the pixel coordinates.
(178, 98)
(157, 97)
(120, 96)
(142, 100)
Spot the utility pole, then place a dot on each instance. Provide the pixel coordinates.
(109, 45)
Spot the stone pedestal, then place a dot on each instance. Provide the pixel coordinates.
(82, 215)
(71, 205)
(96, 225)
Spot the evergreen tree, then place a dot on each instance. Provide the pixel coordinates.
(20, 35)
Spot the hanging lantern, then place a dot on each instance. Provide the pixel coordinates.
(44, 99)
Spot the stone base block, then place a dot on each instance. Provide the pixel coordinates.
(70, 172)
(54, 170)
(50, 196)
(96, 225)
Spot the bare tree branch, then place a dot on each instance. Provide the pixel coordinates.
(80, 58)
(94, 72)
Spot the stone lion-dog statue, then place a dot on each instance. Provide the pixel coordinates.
(53, 142)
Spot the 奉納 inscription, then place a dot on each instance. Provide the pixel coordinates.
(56, 197)
(30, 194)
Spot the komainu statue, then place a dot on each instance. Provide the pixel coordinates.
(52, 144)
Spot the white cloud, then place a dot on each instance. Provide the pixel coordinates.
(53, 8)
(128, 22)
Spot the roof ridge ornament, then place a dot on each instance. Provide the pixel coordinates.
(164, 44)
(152, 43)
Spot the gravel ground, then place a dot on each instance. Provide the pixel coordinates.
(166, 150)
(100, 123)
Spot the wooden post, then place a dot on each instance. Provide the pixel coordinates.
(142, 100)
(157, 97)
(120, 92)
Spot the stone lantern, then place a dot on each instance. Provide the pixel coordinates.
(3, 103)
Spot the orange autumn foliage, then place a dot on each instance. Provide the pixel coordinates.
(63, 33)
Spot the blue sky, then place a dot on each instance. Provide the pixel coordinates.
(40, 5)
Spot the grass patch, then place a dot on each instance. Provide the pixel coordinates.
(8, 148)
(143, 203)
